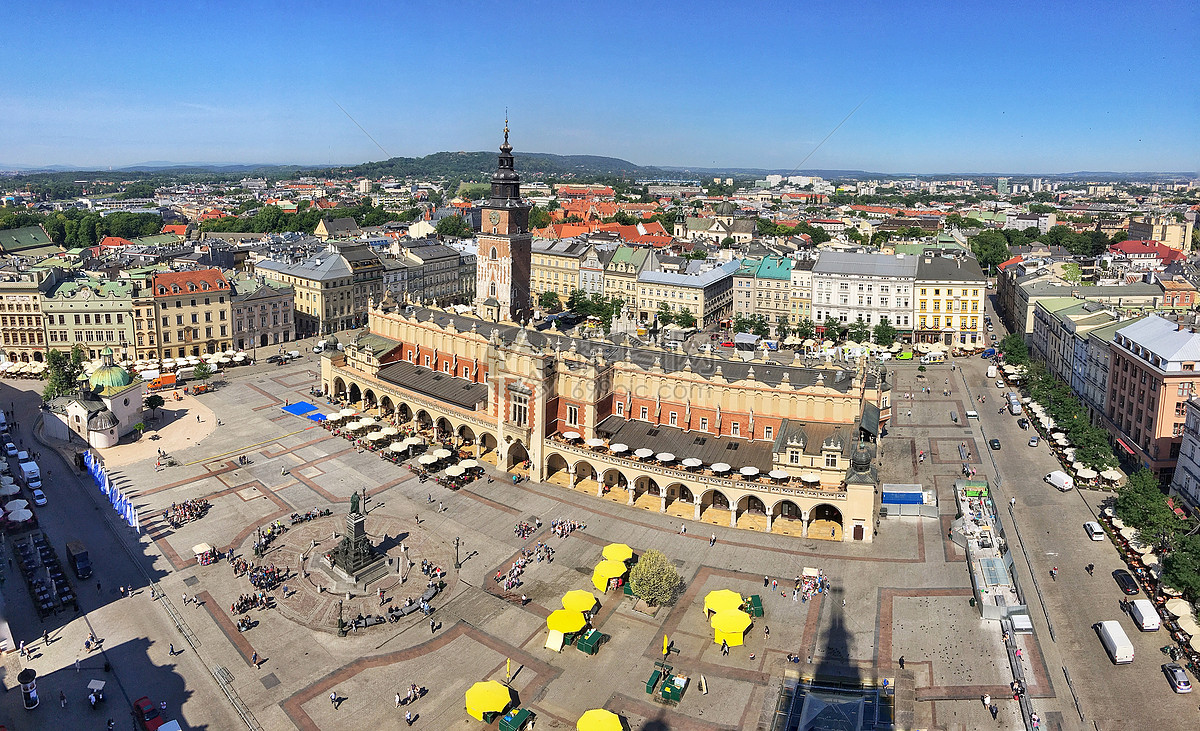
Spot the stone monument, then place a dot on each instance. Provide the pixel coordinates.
(354, 558)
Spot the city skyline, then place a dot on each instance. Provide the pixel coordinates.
(922, 89)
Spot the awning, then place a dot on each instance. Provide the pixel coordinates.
(1125, 446)
(870, 419)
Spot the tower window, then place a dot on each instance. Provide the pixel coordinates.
(495, 254)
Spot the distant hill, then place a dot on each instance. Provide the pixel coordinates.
(482, 164)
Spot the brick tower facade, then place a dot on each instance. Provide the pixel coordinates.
(502, 263)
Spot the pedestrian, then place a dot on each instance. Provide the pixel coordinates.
(765, 581)
(45, 637)
(408, 717)
(987, 699)
(185, 599)
(724, 647)
(417, 518)
(97, 587)
(171, 649)
(712, 541)
(901, 661)
(682, 529)
(77, 666)
(198, 418)
(333, 699)
(995, 709)
(766, 633)
(62, 699)
(254, 659)
(21, 648)
(441, 508)
(432, 626)
(1012, 503)
(397, 700)
(774, 584)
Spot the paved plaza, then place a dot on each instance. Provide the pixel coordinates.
(907, 594)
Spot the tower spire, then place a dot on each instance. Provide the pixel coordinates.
(506, 125)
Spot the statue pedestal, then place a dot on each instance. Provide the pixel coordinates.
(354, 560)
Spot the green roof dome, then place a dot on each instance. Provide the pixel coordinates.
(110, 376)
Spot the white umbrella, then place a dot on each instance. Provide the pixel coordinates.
(390, 431)
(594, 442)
(468, 464)
(1111, 475)
(665, 457)
(1118, 523)
(398, 447)
(1087, 473)
(368, 421)
(692, 462)
(777, 475)
(413, 442)
(426, 459)
(229, 352)
(20, 516)
(643, 453)
(618, 448)
(720, 467)
(1057, 435)
(239, 358)
(375, 436)
(570, 435)
(810, 477)
(749, 471)
(455, 471)
(1178, 607)
(9, 489)
(347, 412)
(441, 453)
(12, 505)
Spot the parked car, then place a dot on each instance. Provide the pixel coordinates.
(10, 449)
(999, 383)
(727, 344)
(1033, 440)
(994, 443)
(1023, 422)
(39, 498)
(1177, 678)
(147, 714)
(1126, 581)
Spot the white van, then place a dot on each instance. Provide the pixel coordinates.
(1060, 480)
(1094, 530)
(1116, 642)
(1144, 615)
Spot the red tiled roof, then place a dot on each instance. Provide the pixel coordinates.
(179, 229)
(190, 281)
(1016, 259)
(115, 241)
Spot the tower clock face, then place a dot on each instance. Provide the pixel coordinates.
(494, 217)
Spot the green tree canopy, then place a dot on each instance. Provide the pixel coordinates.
(833, 328)
(858, 331)
(990, 248)
(884, 333)
(806, 329)
(654, 579)
(454, 226)
(538, 218)
(62, 372)
(549, 302)
(1016, 352)
(202, 372)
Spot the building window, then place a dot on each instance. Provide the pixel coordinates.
(572, 415)
(520, 409)
(704, 424)
(831, 459)
(768, 432)
(645, 414)
(620, 408)
(673, 419)
(735, 429)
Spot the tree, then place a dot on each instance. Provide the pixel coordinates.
(578, 302)
(665, 315)
(1181, 567)
(858, 331)
(833, 328)
(782, 330)
(455, 226)
(884, 333)
(538, 218)
(154, 402)
(1072, 273)
(141, 428)
(685, 319)
(549, 302)
(62, 372)
(879, 238)
(654, 579)
(727, 242)
(202, 372)
(1016, 352)
(990, 248)
(806, 329)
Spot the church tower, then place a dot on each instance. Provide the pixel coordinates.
(502, 263)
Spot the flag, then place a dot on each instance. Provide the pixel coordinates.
(666, 645)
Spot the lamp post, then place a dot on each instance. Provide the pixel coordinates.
(457, 563)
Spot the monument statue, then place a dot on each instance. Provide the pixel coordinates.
(355, 553)
(354, 504)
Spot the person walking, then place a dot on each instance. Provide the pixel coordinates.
(62, 699)
(901, 661)
(408, 718)
(171, 649)
(432, 626)
(77, 666)
(712, 541)
(254, 660)
(987, 699)
(397, 700)
(333, 699)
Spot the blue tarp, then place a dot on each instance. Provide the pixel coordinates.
(317, 417)
(300, 408)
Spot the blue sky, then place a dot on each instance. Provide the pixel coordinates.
(948, 87)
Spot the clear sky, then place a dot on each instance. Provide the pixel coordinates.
(959, 86)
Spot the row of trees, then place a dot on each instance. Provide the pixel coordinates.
(272, 219)
(769, 228)
(76, 228)
(884, 333)
(992, 247)
(1092, 445)
(1142, 505)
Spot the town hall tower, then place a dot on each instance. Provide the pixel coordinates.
(502, 263)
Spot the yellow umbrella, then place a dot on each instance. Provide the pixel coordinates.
(606, 570)
(722, 599)
(618, 552)
(599, 719)
(563, 620)
(488, 696)
(730, 625)
(578, 600)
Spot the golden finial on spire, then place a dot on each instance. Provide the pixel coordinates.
(506, 125)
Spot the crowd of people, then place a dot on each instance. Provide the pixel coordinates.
(186, 511)
(429, 569)
(564, 528)
(246, 602)
(523, 530)
(267, 535)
